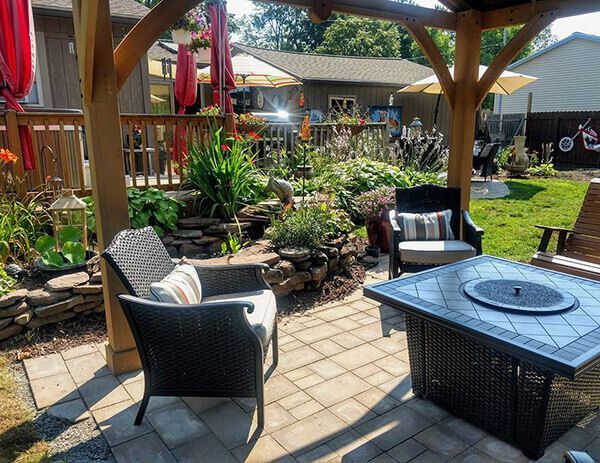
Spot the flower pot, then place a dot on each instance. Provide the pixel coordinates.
(373, 251)
(377, 232)
(181, 36)
(203, 55)
(52, 272)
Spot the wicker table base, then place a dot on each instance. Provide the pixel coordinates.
(519, 403)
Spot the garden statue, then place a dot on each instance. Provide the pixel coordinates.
(284, 191)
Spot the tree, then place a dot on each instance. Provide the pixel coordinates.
(493, 41)
(352, 36)
(282, 28)
(445, 43)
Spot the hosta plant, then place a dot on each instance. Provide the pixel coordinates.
(73, 251)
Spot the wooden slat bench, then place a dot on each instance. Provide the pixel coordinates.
(578, 250)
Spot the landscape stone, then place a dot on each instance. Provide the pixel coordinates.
(24, 318)
(273, 275)
(249, 257)
(13, 310)
(86, 306)
(94, 297)
(320, 258)
(66, 282)
(214, 248)
(294, 283)
(187, 234)
(304, 265)
(72, 411)
(40, 321)
(93, 265)
(206, 240)
(286, 267)
(318, 273)
(225, 228)
(10, 330)
(192, 250)
(348, 251)
(43, 297)
(13, 297)
(167, 239)
(96, 279)
(53, 309)
(294, 254)
(4, 322)
(99, 308)
(330, 251)
(88, 289)
(196, 222)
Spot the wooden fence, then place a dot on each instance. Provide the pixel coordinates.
(60, 150)
(552, 126)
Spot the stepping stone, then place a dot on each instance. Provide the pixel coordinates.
(51, 390)
(73, 411)
(143, 449)
(40, 367)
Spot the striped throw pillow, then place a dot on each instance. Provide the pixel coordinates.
(431, 226)
(181, 286)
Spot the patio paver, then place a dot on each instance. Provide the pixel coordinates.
(341, 397)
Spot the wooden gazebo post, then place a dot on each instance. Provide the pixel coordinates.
(102, 75)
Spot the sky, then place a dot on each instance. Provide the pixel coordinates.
(561, 28)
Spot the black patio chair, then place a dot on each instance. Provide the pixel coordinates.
(418, 255)
(210, 349)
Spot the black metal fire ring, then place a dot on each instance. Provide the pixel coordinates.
(519, 296)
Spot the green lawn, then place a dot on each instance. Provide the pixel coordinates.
(509, 223)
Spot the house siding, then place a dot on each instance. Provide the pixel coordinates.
(569, 78)
(61, 76)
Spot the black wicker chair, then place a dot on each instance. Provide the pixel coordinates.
(417, 255)
(484, 163)
(201, 350)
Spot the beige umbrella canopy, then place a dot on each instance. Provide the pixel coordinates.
(251, 72)
(507, 83)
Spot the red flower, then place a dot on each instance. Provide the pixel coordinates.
(362, 122)
(225, 148)
(254, 135)
(7, 157)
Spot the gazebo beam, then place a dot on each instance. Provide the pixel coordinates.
(148, 30)
(527, 33)
(432, 52)
(521, 14)
(104, 145)
(383, 9)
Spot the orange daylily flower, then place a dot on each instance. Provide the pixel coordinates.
(7, 157)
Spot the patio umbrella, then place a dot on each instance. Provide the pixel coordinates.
(185, 93)
(507, 83)
(17, 64)
(221, 75)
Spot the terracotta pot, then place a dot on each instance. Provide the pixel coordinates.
(181, 36)
(377, 232)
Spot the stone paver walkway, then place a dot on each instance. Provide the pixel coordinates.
(341, 393)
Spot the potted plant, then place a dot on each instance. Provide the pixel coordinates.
(249, 123)
(191, 27)
(374, 206)
(71, 258)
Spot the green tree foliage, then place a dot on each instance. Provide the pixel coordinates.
(352, 36)
(444, 41)
(282, 28)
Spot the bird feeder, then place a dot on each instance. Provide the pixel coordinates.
(68, 211)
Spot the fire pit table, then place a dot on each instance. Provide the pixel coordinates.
(512, 348)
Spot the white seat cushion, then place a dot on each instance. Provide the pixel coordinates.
(262, 319)
(435, 252)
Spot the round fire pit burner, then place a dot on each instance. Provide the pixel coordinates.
(519, 296)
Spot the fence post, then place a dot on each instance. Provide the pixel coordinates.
(14, 145)
(229, 124)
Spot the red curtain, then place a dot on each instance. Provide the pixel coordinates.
(17, 63)
(221, 69)
(185, 92)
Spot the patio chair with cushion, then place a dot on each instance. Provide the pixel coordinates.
(432, 218)
(213, 347)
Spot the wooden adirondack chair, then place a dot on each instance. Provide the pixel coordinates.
(578, 250)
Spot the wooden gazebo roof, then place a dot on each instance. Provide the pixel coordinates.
(103, 74)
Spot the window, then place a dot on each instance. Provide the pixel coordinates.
(161, 98)
(342, 103)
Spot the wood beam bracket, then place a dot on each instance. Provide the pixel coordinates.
(536, 24)
(85, 15)
(147, 31)
(433, 54)
(320, 11)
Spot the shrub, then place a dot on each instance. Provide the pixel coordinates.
(223, 172)
(6, 282)
(375, 203)
(21, 221)
(150, 207)
(307, 227)
(541, 164)
(424, 152)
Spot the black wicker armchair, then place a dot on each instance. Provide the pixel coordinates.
(417, 255)
(213, 349)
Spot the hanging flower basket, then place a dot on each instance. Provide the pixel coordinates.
(181, 36)
(203, 55)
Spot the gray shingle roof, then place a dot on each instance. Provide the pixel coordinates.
(308, 66)
(159, 51)
(118, 8)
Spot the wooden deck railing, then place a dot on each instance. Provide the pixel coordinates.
(60, 150)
